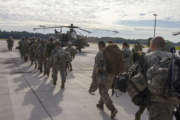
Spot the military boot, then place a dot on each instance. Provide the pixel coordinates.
(54, 83)
(100, 106)
(48, 72)
(113, 113)
(63, 85)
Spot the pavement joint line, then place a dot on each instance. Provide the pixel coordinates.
(38, 98)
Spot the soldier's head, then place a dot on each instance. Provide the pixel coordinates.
(125, 45)
(101, 45)
(157, 43)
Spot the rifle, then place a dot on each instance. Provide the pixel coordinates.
(172, 80)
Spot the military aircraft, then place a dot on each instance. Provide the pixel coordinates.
(71, 36)
(177, 33)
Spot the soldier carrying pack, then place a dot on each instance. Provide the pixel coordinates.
(114, 59)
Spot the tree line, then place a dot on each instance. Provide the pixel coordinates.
(19, 35)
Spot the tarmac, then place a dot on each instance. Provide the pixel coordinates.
(25, 94)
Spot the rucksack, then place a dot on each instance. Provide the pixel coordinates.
(121, 82)
(114, 59)
(164, 77)
(138, 90)
(137, 84)
(157, 77)
(61, 57)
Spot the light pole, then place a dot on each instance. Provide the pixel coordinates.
(155, 15)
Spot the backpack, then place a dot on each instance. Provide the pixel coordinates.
(137, 87)
(157, 77)
(114, 59)
(121, 82)
(164, 77)
(61, 57)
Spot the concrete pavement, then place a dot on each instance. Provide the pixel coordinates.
(27, 95)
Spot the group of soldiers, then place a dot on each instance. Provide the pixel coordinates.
(47, 55)
(146, 71)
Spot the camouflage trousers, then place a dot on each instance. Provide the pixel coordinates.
(63, 75)
(45, 63)
(32, 58)
(160, 111)
(48, 66)
(40, 65)
(104, 86)
(10, 47)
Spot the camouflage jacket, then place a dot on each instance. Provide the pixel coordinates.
(72, 51)
(154, 57)
(127, 56)
(99, 63)
(61, 57)
(156, 71)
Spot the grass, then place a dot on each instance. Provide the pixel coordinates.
(2, 39)
(177, 47)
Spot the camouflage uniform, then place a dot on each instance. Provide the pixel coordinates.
(49, 49)
(136, 51)
(157, 109)
(35, 54)
(32, 52)
(41, 56)
(20, 47)
(127, 57)
(25, 46)
(72, 53)
(95, 82)
(10, 43)
(60, 59)
(103, 81)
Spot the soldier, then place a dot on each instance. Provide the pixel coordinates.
(49, 49)
(20, 47)
(10, 43)
(158, 110)
(25, 50)
(137, 52)
(127, 54)
(41, 56)
(32, 51)
(103, 81)
(60, 58)
(72, 52)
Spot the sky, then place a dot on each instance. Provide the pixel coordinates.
(132, 18)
